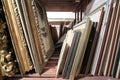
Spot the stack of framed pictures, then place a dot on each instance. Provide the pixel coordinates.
(98, 45)
(8, 63)
(69, 56)
(30, 33)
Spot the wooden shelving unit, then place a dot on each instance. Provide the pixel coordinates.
(49, 73)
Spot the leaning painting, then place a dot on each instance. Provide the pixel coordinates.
(30, 33)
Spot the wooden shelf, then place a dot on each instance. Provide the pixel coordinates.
(49, 73)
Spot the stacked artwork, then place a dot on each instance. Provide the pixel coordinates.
(92, 47)
(96, 44)
(29, 32)
(8, 62)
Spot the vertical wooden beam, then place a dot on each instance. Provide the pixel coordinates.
(75, 17)
(80, 13)
(61, 28)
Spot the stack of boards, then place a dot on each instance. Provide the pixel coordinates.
(92, 47)
(30, 34)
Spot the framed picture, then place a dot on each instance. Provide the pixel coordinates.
(41, 32)
(64, 52)
(95, 40)
(17, 36)
(98, 54)
(30, 33)
(85, 28)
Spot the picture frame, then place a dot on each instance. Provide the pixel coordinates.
(17, 37)
(92, 51)
(81, 47)
(29, 35)
(64, 52)
(96, 64)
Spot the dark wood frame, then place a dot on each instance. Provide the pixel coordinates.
(108, 39)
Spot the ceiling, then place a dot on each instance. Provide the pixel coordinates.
(64, 5)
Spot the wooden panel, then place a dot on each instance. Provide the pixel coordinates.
(66, 5)
(59, 5)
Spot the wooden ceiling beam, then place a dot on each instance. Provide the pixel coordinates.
(62, 9)
(65, 5)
